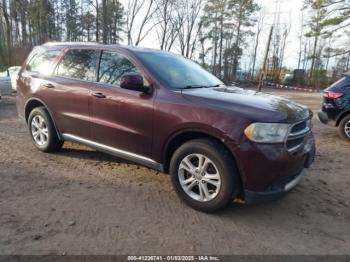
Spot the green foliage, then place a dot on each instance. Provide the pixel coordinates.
(340, 17)
(114, 20)
(328, 17)
(227, 24)
(33, 22)
(71, 17)
(41, 18)
(319, 79)
(3, 55)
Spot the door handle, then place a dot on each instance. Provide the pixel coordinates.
(48, 85)
(99, 95)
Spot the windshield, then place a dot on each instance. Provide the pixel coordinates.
(177, 72)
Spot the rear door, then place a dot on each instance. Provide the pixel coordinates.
(67, 91)
(120, 118)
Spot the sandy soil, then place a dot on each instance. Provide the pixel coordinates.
(80, 201)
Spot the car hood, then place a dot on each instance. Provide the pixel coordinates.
(256, 106)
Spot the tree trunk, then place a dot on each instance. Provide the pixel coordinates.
(221, 42)
(235, 57)
(8, 31)
(215, 56)
(317, 33)
(255, 52)
(144, 21)
(104, 22)
(97, 27)
(165, 29)
(215, 45)
(313, 57)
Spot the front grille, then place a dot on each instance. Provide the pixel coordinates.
(299, 127)
(297, 134)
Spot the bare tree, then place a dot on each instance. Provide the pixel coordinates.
(256, 44)
(8, 29)
(242, 11)
(133, 10)
(167, 32)
(202, 37)
(283, 46)
(187, 15)
(97, 25)
(104, 23)
(301, 38)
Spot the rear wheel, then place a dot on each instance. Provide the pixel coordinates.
(42, 130)
(344, 128)
(204, 175)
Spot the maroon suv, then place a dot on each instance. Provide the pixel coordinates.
(163, 111)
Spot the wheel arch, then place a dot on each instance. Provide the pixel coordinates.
(179, 138)
(33, 103)
(341, 116)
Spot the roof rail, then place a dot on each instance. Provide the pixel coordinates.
(70, 43)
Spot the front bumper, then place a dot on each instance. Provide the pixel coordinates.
(283, 180)
(276, 191)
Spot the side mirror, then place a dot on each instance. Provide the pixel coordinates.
(133, 81)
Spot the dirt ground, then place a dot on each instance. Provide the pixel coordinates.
(80, 201)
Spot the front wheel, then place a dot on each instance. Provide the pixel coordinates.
(344, 128)
(204, 176)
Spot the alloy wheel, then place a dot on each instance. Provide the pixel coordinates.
(39, 130)
(347, 128)
(199, 177)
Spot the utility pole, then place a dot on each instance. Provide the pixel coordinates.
(262, 74)
(274, 37)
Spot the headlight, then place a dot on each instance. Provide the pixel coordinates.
(267, 132)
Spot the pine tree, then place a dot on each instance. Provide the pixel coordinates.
(242, 11)
(316, 25)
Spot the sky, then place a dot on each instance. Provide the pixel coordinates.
(290, 14)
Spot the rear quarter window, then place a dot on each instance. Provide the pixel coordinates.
(42, 62)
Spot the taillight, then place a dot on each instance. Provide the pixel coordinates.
(332, 95)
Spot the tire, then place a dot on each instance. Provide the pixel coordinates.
(344, 128)
(42, 131)
(219, 175)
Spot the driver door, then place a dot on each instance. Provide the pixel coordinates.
(120, 118)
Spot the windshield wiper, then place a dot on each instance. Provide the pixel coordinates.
(192, 87)
(199, 86)
(215, 85)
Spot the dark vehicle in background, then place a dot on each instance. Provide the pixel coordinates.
(163, 111)
(336, 106)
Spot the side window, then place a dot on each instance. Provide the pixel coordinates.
(79, 64)
(42, 63)
(113, 66)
